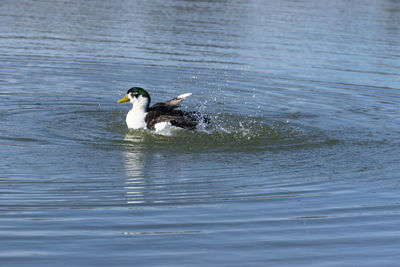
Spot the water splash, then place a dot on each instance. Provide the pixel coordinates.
(229, 132)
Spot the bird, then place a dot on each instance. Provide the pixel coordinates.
(160, 115)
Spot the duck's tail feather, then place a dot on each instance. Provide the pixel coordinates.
(183, 96)
(174, 103)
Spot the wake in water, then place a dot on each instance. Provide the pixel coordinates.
(228, 132)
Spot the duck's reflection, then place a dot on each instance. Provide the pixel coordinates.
(144, 166)
(157, 169)
(134, 156)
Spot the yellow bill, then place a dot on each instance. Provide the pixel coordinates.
(124, 99)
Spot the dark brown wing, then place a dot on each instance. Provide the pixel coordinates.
(177, 118)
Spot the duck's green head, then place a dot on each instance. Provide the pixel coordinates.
(133, 93)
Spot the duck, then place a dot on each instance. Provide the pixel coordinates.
(160, 115)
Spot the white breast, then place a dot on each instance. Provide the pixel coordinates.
(135, 119)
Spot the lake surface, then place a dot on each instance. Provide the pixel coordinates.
(300, 166)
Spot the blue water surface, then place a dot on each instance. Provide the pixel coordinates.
(299, 167)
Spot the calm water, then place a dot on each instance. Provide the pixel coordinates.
(300, 166)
